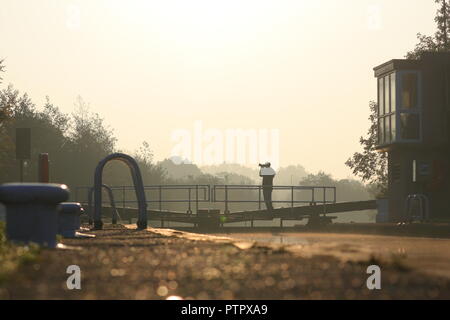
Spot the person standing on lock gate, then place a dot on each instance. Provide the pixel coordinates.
(267, 174)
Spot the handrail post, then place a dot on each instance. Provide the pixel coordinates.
(160, 198)
(334, 194)
(130, 218)
(292, 196)
(189, 195)
(196, 198)
(162, 217)
(226, 200)
(259, 198)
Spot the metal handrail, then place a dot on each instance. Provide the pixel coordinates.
(208, 194)
(205, 189)
(313, 189)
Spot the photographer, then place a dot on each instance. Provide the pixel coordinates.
(267, 173)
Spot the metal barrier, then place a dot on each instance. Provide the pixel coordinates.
(194, 195)
(111, 202)
(135, 172)
(313, 200)
(424, 207)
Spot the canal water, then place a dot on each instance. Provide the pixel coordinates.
(424, 254)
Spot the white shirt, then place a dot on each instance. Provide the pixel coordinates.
(266, 172)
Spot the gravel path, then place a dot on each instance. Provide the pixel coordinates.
(121, 263)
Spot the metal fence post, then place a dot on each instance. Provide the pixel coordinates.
(334, 195)
(292, 196)
(160, 198)
(226, 200)
(196, 198)
(259, 198)
(189, 208)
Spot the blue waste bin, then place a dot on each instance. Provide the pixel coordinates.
(69, 218)
(31, 211)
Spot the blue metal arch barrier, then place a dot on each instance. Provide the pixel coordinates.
(112, 203)
(138, 186)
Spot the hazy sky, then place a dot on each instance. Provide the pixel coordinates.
(151, 68)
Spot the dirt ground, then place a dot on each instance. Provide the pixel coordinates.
(121, 263)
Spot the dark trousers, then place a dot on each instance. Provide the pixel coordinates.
(267, 192)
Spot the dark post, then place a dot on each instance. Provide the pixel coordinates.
(189, 194)
(160, 198)
(334, 200)
(196, 198)
(226, 200)
(292, 197)
(43, 171)
(259, 198)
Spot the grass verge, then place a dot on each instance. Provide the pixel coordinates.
(12, 256)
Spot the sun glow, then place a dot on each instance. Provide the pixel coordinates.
(202, 22)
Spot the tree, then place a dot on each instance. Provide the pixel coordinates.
(440, 42)
(89, 142)
(8, 99)
(5, 110)
(151, 173)
(2, 68)
(14, 108)
(180, 171)
(290, 175)
(321, 179)
(371, 165)
(443, 24)
(348, 189)
(48, 127)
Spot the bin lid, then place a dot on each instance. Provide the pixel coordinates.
(70, 207)
(39, 193)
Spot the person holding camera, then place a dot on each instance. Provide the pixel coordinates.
(267, 173)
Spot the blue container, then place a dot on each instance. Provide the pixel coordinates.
(69, 218)
(31, 211)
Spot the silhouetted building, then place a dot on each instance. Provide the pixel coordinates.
(414, 129)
